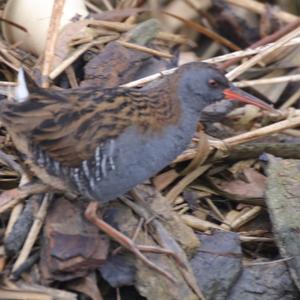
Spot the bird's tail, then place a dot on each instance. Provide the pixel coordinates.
(21, 90)
(18, 93)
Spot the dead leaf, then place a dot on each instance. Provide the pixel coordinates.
(71, 246)
(252, 189)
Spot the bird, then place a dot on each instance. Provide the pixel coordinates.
(101, 143)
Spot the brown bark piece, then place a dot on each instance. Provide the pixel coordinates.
(249, 190)
(71, 247)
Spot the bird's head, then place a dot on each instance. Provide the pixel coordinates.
(202, 84)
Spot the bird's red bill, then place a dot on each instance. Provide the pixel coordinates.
(235, 94)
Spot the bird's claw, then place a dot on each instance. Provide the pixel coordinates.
(91, 215)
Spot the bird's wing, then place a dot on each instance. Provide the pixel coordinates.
(69, 126)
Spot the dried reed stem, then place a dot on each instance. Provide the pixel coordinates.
(279, 79)
(257, 58)
(260, 8)
(53, 31)
(34, 232)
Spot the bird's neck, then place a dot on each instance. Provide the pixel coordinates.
(187, 124)
(157, 106)
(168, 107)
(180, 133)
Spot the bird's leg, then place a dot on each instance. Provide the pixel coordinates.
(152, 249)
(134, 237)
(143, 211)
(91, 215)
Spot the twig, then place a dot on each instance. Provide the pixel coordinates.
(261, 132)
(292, 132)
(248, 52)
(10, 198)
(34, 232)
(215, 209)
(198, 223)
(52, 35)
(246, 137)
(254, 60)
(184, 210)
(14, 216)
(145, 49)
(254, 150)
(74, 55)
(185, 181)
(279, 79)
(124, 27)
(23, 295)
(148, 78)
(237, 54)
(26, 266)
(205, 31)
(217, 59)
(8, 83)
(8, 57)
(292, 100)
(93, 7)
(266, 40)
(30, 286)
(71, 77)
(260, 8)
(245, 217)
(268, 263)
(11, 163)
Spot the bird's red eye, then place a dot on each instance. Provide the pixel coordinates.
(213, 82)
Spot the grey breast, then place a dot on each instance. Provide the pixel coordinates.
(121, 164)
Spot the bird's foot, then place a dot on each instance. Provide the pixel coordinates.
(91, 215)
